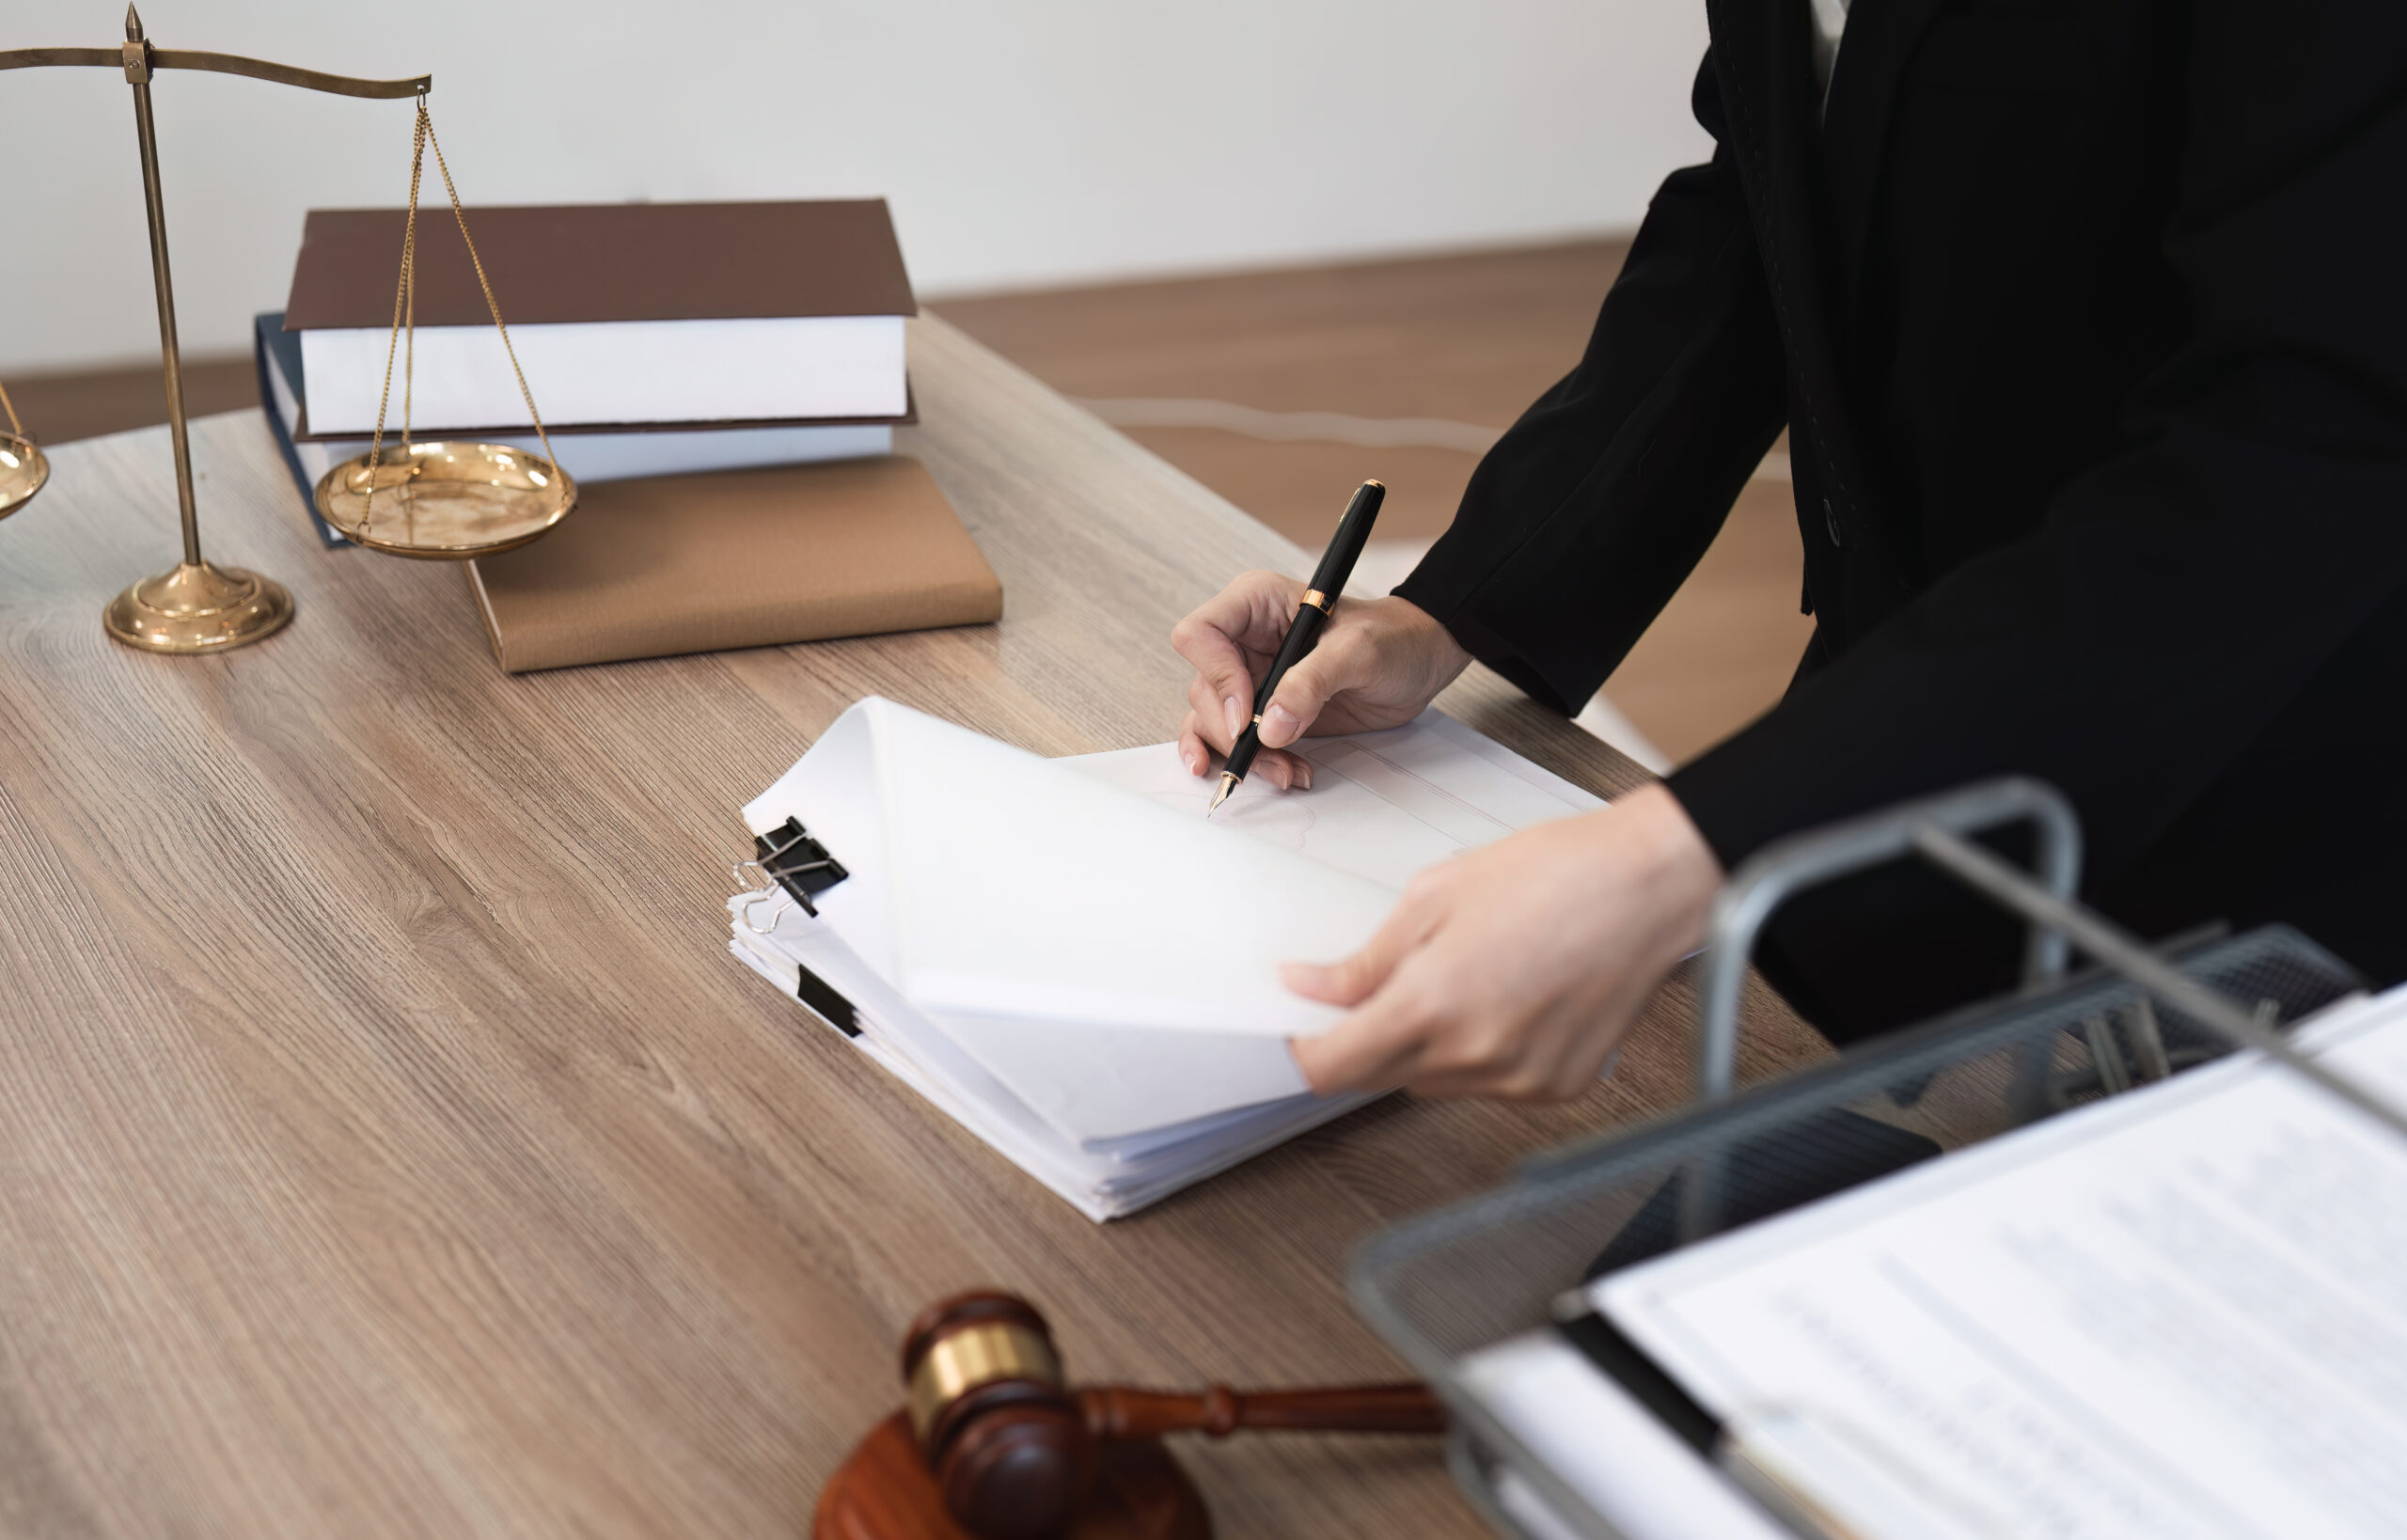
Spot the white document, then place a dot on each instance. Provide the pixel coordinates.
(1382, 805)
(1097, 1085)
(999, 1030)
(1599, 1441)
(1103, 1179)
(2182, 1312)
(989, 883)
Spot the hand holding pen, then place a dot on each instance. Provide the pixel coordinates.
(1377, 663)
(1311, 613)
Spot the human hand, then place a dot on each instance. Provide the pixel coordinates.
(1377, 664)
(1514, 969)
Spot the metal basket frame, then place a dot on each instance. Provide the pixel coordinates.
(2282, 974)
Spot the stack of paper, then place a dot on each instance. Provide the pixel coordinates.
(1067, 958)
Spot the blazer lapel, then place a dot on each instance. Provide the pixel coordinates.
(1771, 110)
(1768, 95)
(1880, 38)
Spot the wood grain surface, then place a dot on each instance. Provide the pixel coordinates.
(388, 1145)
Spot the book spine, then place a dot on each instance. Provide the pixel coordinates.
(261, 326)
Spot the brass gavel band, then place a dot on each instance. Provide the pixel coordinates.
(1319, 600)
(974, 1355)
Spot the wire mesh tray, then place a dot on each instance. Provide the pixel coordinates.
(1446, 1285)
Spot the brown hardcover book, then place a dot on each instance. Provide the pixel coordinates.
(605, 261)
(737, 558)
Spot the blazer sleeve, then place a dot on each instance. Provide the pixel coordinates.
(2254, 518)
(1585, 518)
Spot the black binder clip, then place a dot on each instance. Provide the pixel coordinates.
(799, 863)
(792, 858)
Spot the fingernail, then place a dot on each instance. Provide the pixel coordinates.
(1277, 774)
(1301, 977)
(1195, 765)
(1280, 727)
(1303, 775)
(1234, 709)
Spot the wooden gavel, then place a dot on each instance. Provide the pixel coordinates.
(1016, 1453)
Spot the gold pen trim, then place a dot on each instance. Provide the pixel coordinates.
(1318, 600)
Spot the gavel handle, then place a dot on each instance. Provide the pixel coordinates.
(1123, 1411)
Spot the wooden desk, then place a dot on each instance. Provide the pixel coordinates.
(388, 1145)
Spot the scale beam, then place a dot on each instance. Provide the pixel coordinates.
(223, 64)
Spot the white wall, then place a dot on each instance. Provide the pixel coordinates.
(1021, 142)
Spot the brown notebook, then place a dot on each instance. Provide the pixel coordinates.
(605, 261)
(736, 559)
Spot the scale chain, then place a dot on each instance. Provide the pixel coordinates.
(492, 307)
(404, 307)
(405, 320)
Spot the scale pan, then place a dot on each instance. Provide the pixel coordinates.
(23, 468)
(447, 501)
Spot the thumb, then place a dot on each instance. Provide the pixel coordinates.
(1340, 663)
(1356, 978)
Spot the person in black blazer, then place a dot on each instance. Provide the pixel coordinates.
(2088, 319)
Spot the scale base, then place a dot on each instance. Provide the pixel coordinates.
(199, 609)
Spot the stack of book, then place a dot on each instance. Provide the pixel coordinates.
(698, 368)
(656, 338)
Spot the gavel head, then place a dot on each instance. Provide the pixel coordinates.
(998, 1425)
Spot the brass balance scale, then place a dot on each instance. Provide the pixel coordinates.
(441, 500)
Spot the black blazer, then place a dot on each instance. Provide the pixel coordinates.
(2088, 320)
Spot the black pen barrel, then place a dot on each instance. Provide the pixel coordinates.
(1345, 546)
(1336, 566)
(1299, 640)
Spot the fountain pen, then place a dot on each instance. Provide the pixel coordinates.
(1328, 579)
